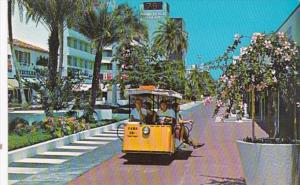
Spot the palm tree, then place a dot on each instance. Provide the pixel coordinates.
(172, 36)
(199, 82)
(134, 33)
(53, 14)
(105, 27)
(11, 6)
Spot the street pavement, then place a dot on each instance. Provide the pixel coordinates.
(217, 162)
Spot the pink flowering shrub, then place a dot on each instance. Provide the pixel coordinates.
(268, 62)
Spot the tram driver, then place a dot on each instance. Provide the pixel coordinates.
(138, 113)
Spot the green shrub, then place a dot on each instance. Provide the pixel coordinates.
(16, 141)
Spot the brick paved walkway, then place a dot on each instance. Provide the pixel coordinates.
(216, 163)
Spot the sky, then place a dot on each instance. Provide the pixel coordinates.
(211, 24)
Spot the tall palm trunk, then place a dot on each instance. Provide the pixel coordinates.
(16, 64)
(96, 76)
(53, 42)
(61, 50)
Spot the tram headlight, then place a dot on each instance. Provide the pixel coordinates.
(146, 130)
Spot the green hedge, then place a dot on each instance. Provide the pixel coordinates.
(15, 141)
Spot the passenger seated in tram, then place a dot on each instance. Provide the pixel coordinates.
(164, 114)
(151, 114)
(138, 113)
(181, 132)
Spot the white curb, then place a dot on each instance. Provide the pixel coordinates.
(33, 150)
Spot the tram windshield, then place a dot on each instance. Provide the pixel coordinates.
(152, 106)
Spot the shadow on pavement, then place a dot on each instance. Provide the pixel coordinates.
(225, 180)
(156, 159)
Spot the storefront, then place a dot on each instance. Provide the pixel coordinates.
(28, 57)
(277, 112)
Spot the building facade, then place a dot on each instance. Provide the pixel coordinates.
(28, 57)
(153, 14)
(79, 56)
(78, 53)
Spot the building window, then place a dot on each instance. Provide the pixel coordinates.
(75, 44)
(23, 58)
(103, 67)
(88, 48)
(85, 47)
(91, 65)
(107, 53)
(42, 61)
(74, 61)
(81, 63)
(86, 64)
(69, 60)
(81, 45)
(69, 41)
(109, 66)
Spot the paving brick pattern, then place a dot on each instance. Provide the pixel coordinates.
(216, 163)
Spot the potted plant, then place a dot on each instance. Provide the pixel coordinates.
(268, 63)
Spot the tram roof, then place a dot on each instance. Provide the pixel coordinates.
(151, 90)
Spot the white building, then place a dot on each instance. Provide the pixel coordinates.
(28, 58)
(78, 53)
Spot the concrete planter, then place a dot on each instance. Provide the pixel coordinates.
(268, 164)
(33, 150)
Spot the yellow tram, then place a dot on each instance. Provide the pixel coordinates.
(153, 137)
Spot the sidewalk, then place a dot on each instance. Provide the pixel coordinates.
(218, 162)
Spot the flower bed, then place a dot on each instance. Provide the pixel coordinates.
(24, 135)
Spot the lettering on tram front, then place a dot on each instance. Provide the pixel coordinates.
(133, 132)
